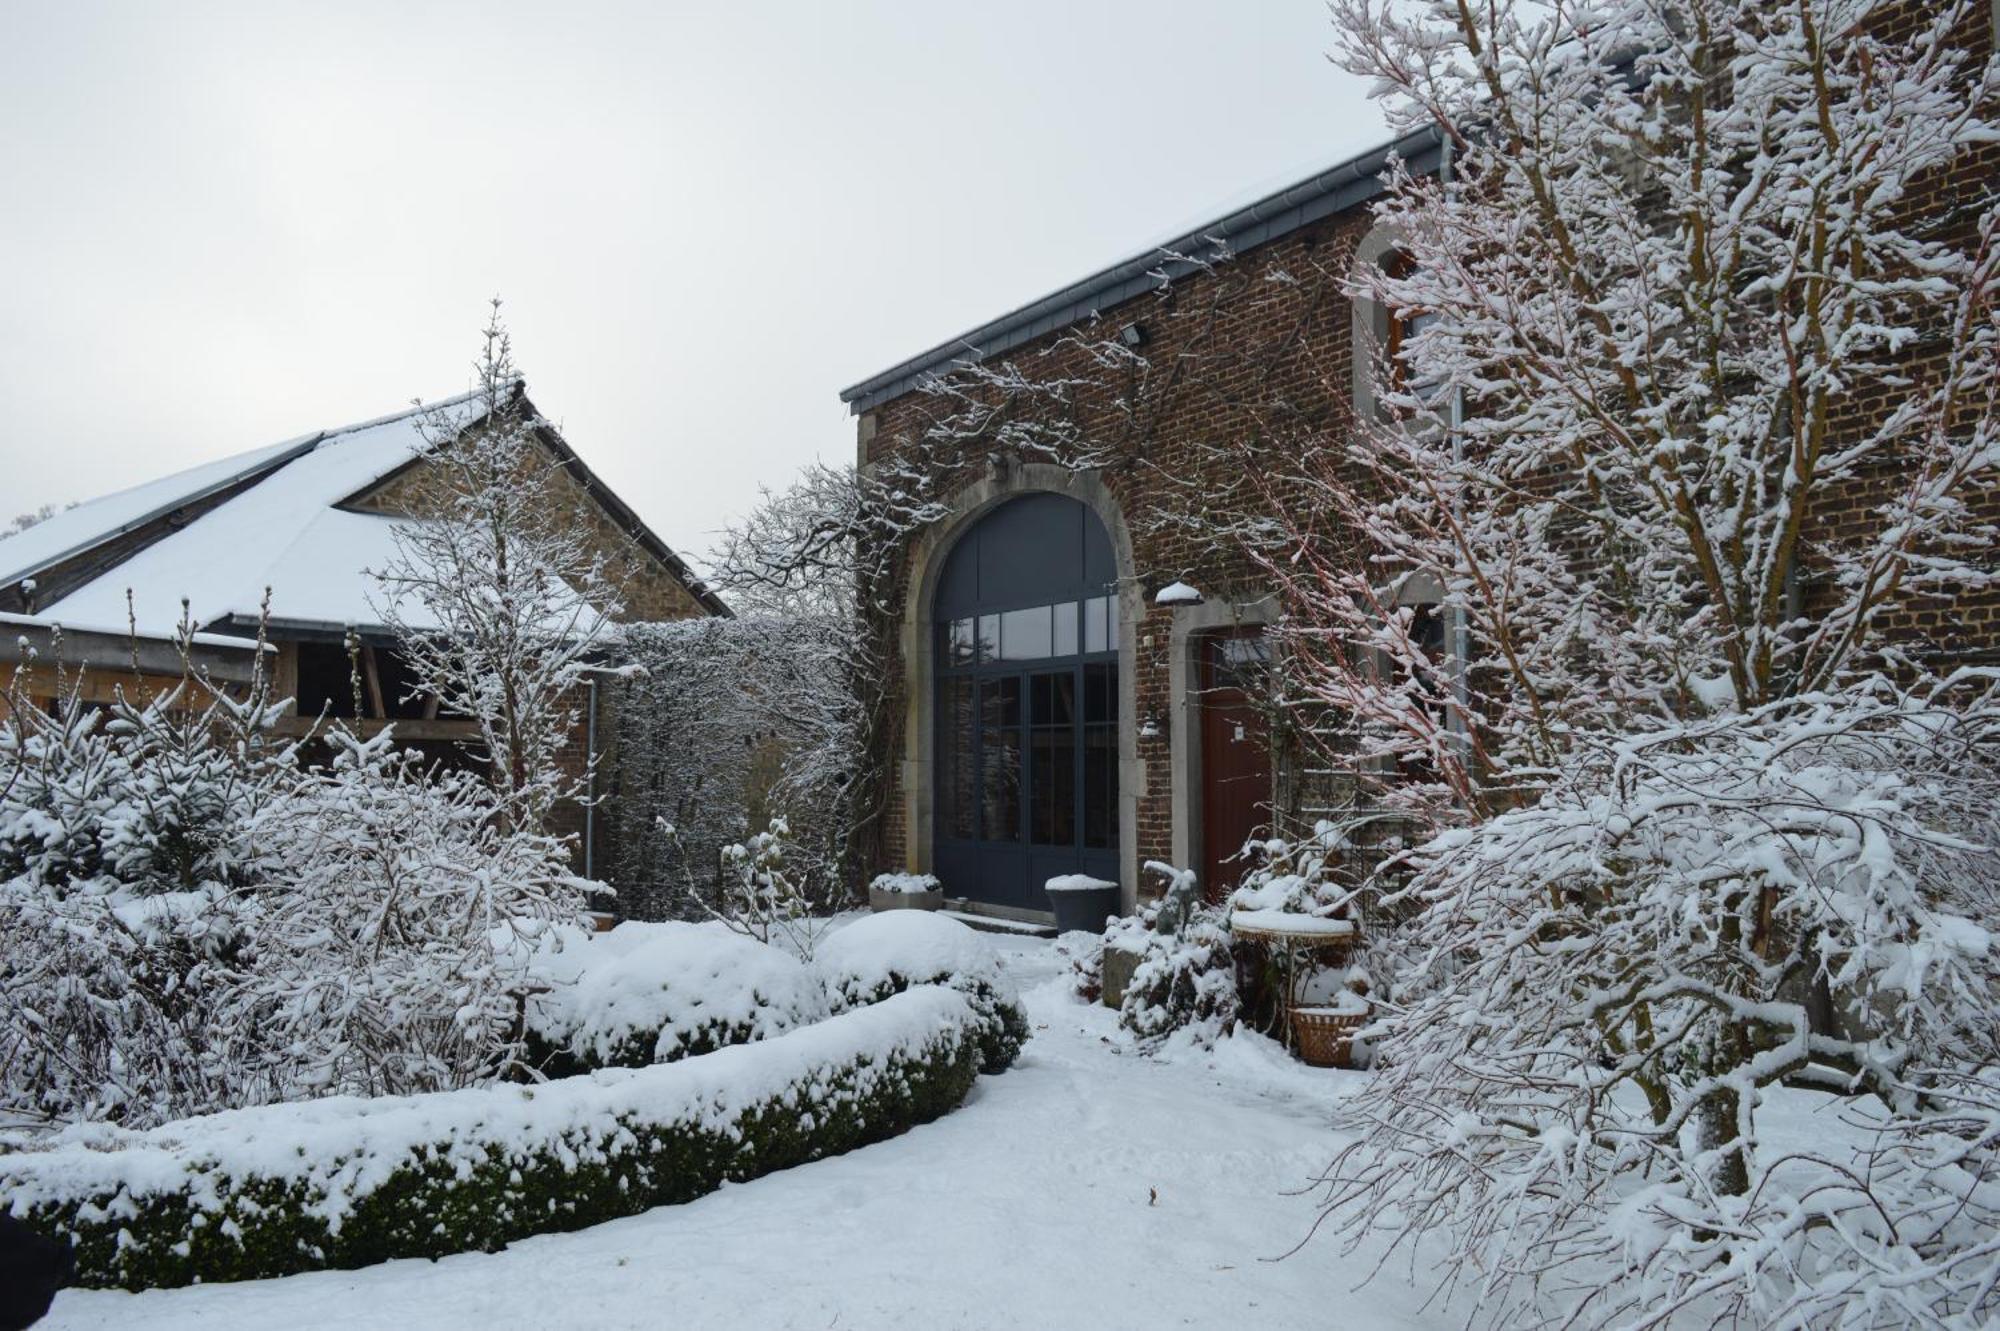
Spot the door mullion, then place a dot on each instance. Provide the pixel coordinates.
(1025, 764)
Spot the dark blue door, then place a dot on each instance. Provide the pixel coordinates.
(1027, 704)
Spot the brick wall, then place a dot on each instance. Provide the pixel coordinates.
(1253, 357)
(1258, 355)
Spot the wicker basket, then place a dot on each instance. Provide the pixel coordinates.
(1325, 1036)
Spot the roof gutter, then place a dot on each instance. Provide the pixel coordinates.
(1331, 191)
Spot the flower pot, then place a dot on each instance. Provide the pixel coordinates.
(1325, 1035)
(1082, 902)
(880, 899)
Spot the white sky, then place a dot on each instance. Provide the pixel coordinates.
(224, 225)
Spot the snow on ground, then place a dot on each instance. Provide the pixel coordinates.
(1032, 1206)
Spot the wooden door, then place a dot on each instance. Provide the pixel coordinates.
(1235, 755)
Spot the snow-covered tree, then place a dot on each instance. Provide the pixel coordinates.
(20, 522)
(191, 921)
(809, 559)
(381, 957)
(497, 597)
(1695, 395)
(125, 901)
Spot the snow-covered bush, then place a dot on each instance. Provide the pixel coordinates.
(1082, 955)
(191, 920)
(880, 955)
(1185, 978)
(654, 993)
(341, 1183)
(1605, 993)
(124, 1007)
(379, 883)
(1185, 982)
(765, 894)
(124, 919)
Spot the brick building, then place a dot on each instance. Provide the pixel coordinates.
(97, 591)
(1069, 642)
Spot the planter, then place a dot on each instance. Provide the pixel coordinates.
(601, 921)
(881, 899)
(1325, 1035)
(1082, 902)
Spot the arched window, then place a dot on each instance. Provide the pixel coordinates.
(1027, 703)
(1380, 331)
(1400, 328)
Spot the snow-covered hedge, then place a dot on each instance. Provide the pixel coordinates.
(653, 993)
(341, 1183)
(881, 955)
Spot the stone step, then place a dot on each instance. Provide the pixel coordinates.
(993, 924)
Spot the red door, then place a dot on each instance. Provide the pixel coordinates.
(1235, 756)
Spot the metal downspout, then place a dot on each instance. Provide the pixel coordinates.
(590, 802)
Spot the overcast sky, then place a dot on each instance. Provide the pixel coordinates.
(226, 225)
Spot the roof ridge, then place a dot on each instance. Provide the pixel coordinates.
(1331, 189)
(416, 408)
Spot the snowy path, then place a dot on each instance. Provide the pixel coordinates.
(1029, 1207)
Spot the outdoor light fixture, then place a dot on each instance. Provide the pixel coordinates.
(1132, 335)
(1150, 727)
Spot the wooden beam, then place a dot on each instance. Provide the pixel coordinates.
(374, 679)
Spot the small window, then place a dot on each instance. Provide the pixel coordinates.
(1403, 325)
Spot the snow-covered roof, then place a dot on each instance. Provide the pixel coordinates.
(77, 529)
(284, 531)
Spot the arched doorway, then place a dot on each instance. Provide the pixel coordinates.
(1026, 673)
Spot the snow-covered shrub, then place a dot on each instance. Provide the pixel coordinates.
(123, 1007)
(341, 1183)
(1082, 955)
(380, 883)
(125, 923)
(61, 775)
(1185, 982)
(654, 993)
(1607, 995)
(190, 920)
(764, 891)
(880, 955)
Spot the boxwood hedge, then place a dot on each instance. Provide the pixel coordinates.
(885, 954)
(344, 1183)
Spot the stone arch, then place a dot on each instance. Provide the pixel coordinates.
(1369, 321)
(918, 644)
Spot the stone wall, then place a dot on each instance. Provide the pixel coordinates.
(651, 589)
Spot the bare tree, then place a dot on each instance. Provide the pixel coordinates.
(499, 600)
